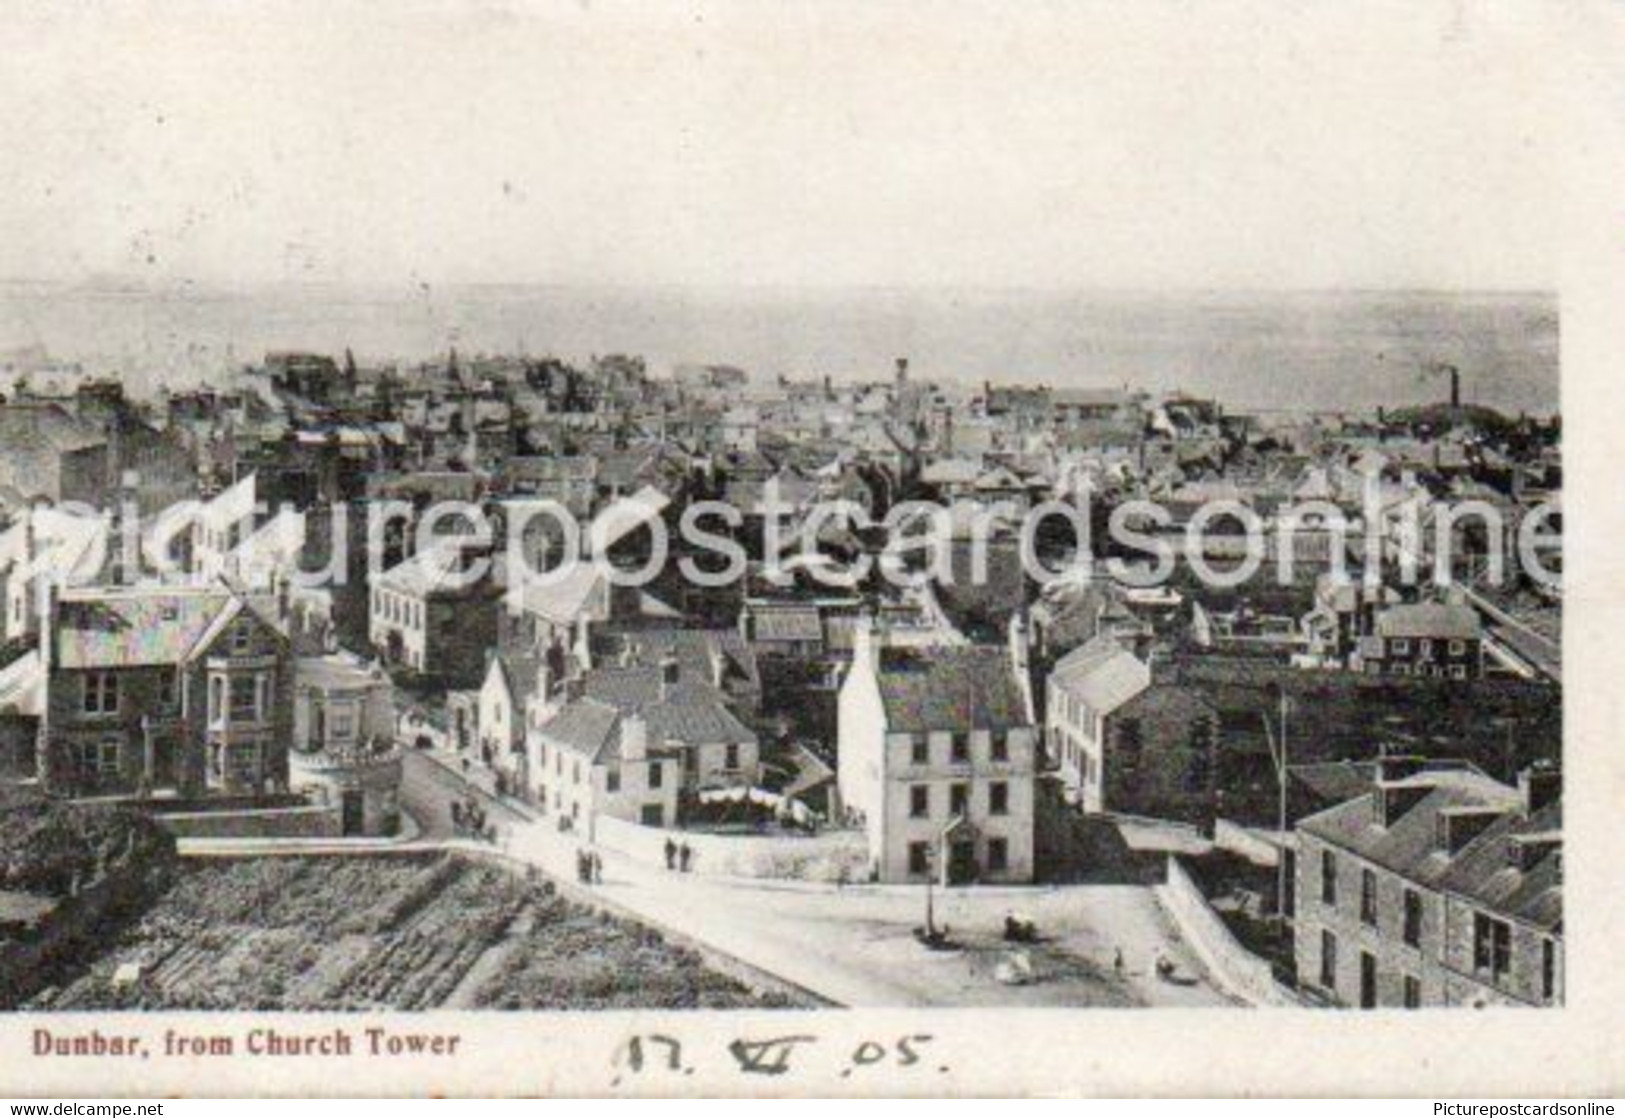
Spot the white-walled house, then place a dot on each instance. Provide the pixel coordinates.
(593, 760)
(1085, 689)
(938, 758)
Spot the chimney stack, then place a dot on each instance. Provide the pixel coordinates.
(669, 673)
(634, 738)
(1538, 785)
(1455, 387)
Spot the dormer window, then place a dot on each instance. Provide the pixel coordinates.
(242, 639)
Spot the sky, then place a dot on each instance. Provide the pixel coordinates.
(915, 144)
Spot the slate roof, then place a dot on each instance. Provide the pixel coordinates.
(1101, 674)
(1091, 397)
(127, 629)
(1409, 845)
(1430, 619)
(564, 594)
(426, 573)
(1335, 781)
(952, 689)
(792, 623)
(951, 471)
(700, 653)
(586, 727)
(37, 427)
(1485, 873)
(691, 711)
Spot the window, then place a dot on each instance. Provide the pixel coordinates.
(343, 726)
(998, 855)
(919, 801)
(575, 772)
(99, 759)
(1413, 918)
(1548, 969)
(612, 779)
(1368, 980)
(1368, 897)
(1457, 672)
(1402, 668)
(245, 697)
(1413, 992)
(1425, 647)
(656, 774)
(731, 760)
(217, 699)
(961, 748)
(1458, 648)
(1492, 945)
(920, 750)
(1400, 646)
(919, 858)
(101, 693)
(166, 691)
(999, 745)
(1129, 741)
(958, 799)
(1328, 877)
(242, 639)
(998, 798)
(1328, 960)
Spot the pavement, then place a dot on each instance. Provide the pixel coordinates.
(855, 945)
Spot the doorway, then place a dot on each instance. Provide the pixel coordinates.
(353, 816)
(961, 862)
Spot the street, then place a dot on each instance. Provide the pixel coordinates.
(856, 945)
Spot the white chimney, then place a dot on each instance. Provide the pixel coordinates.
(634, 738)
(863, 645)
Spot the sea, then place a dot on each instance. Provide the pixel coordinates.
(1264, 351)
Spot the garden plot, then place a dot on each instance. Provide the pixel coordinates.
(386, 932)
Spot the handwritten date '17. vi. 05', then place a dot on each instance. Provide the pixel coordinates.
(648, 1057)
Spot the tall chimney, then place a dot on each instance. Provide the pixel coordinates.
(1455, 387)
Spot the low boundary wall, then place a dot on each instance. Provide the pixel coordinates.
(1236, 969)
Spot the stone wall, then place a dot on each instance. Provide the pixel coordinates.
(320, 821)
(1238, 971)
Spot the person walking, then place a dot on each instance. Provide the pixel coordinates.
(671, 853)
(683, 856)
(597, 868)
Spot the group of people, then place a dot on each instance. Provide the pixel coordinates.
(589, 867)
(468, 820)
(678, 857)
